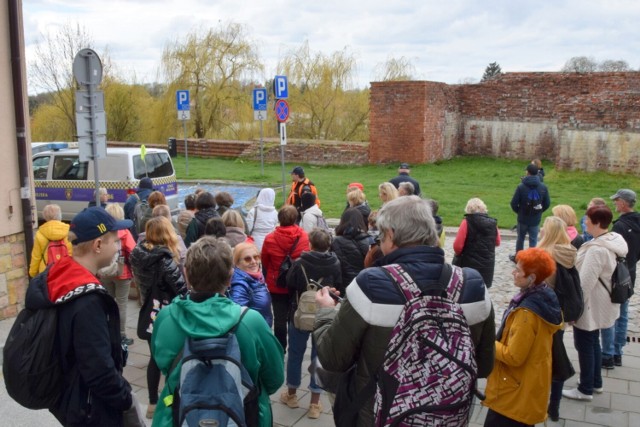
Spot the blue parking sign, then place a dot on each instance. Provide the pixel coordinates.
(182, 100)
(281, 87)
(259, 99)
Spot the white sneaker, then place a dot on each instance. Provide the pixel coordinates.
(597, 390)
(575, 394)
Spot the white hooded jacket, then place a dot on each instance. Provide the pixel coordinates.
(310, 218)
(264, 215)
(597, 259)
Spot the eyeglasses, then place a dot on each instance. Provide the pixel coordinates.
(250, 258)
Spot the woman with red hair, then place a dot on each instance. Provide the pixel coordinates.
(518, 387)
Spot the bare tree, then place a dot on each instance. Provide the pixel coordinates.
(395, 69)
(580, 64)
(614, 65)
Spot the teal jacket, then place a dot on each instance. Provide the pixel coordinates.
(262, 355)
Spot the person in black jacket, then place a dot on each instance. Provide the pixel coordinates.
(206, 209)
(403, 176)
(159, 278)
(322, 266)
(476, 241)
(351, 245)
(94, 393)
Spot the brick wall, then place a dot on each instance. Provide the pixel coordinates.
(13, 275)
(578, 121)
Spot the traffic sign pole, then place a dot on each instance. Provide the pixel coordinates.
(283, 137)
(186, 149)
(261, 150)
(183, 105)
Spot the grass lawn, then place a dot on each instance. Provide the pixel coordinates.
(450, 182)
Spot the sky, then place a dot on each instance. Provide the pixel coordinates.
(447, 41)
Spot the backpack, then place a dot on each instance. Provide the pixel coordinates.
(56, 250)
(305, 315)
(569, 292)
(534, 202)
(31, 359)
(322, 223)
(214, 388)
(141, 214)
(429, 370)
(621, 286)
(281, 282)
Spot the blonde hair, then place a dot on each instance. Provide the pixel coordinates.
(555, 233)
(162, 210)
(475, 205)
(388, 190)
(355, 197)
(160, 232)
(115, 210)
(241, 247)
(232, 218)
(566, 213)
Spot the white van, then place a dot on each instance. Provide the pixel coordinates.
(61, 178)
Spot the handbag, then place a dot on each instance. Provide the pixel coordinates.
(561, 367)
(153, 303)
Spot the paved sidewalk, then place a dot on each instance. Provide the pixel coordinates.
(618, 406)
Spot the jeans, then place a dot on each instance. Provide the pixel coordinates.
(523, 230)
(615, 337)
(297, 346)
(587, 344)
(280, 304)
(119, 290)
(556, 386)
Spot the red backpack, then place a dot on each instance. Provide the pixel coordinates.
(56, 250)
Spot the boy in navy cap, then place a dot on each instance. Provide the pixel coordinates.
(299, 186)
(88, 336)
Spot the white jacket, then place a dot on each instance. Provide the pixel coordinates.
(597, 259)
(310, 218)
(264, 215)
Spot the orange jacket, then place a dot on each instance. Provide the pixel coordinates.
(296, 192)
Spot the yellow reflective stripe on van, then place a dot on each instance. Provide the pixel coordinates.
(116, 185)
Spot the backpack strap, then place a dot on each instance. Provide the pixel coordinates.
(243, 311)
(293, 248)
(446, 286)
(255, 217)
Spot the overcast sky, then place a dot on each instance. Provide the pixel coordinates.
(447, 41)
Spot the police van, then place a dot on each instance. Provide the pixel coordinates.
(61, 178)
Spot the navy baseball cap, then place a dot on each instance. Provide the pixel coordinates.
(404, 166)
(94, 222)
(298, 171)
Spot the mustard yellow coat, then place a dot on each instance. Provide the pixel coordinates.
(50, 230)
(520, 383)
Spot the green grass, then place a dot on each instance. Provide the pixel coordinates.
(450, 182)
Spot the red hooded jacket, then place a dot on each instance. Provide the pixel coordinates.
(276, 247)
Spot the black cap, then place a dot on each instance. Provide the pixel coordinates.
(298, 171)
(404, 166)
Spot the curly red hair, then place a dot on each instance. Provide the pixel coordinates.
(536, 261)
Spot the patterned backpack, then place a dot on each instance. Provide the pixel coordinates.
(429, 371)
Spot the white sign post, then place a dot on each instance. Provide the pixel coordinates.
(184, 114)
(260, 113)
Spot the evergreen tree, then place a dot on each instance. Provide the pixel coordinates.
(492, 71)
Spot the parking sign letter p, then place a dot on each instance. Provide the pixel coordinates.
(183, 97)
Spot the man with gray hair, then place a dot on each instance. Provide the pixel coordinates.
(628, 226)
(359, 332)
(406, 189)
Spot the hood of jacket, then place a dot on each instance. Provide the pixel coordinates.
(531, 181)
(142, 257)
(54, 230)
(196, 320)
(320, 259)
(205, 215)
(143, 193)
(285, 236)
(611, 240)
(266, 197)
(565, 255)
(631, 220)
(544, 302)
(313, 210)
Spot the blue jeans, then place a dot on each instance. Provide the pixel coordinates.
(297, 347)
(587, 344)
(523, 230)
(615, 337)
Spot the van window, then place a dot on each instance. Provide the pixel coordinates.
(156, 165)
(40, 167)
(69, 168)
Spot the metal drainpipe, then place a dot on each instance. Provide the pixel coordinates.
(21, 131)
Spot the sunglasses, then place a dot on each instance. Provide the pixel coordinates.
(250, 258)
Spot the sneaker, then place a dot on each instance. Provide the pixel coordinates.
(291, 400)
(151, 409)
(607, 363)
(617, 360)
(512, 258)
(126, 340)
(314, 410)
(575, 394)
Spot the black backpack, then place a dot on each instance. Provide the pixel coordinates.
(621, 286)
(533, 205)
(569, 292)
(31, 365)
(281, 281)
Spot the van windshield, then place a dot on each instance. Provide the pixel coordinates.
(155, 165)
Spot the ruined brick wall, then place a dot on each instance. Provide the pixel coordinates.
(578, 121)
(13, 275)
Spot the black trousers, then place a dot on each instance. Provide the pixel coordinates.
(494, 419)
(280, 304)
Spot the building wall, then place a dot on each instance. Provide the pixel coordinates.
(13, 269)
(578, 121)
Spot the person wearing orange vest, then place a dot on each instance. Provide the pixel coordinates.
(299, 186)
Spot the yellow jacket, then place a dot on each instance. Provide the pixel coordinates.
(520, 383)
(50, 230)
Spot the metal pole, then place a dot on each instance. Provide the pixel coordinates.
(284, 195)
(186, 148)
(261, 151)
(94, 143)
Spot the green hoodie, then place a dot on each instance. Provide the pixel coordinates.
(262, 355)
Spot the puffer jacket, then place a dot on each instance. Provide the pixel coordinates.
(478, 249)
(276, 247)
(50, 230)
(521, 195)
(156, 267)
(195, 230)
(310, 218)
(317, 266)
(351, 249)
(520, 383)
(247, 291)
(263, 218)
(89, 344)
(360, 330)
(597, 260)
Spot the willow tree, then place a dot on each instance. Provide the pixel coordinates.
(214, 66)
